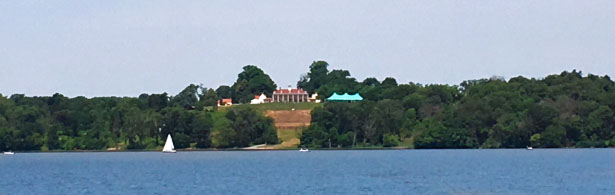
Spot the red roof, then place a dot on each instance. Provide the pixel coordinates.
(256, 96)
(227, 100)
(290, 91)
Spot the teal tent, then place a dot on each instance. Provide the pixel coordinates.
(345, 97)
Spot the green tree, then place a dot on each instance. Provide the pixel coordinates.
(408, 123)
(252, 80)
(371, 81)
(158, 101)
(222, 135)
(553, 137)
(201, 128)
(251, 127)
(315, 78)
(208, 99)
(389, 82)
(224, 91)
(390, 140)
(187, 98)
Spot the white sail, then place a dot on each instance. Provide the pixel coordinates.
(168, 146)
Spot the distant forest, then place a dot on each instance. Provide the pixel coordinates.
(565, 110)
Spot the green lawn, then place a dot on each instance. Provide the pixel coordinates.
(289, 138)
(279, 106)
(288, 134)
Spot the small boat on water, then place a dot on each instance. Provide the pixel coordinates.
(304, 150)
(9, 153)
(168, 146)
(529, 148)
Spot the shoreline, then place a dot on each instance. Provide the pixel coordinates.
(260, 150)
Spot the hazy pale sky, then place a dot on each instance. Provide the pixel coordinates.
(125, 48)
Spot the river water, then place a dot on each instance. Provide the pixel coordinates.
(502, 171)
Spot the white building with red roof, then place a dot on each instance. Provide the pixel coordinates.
(259, 99)
(290, 95)
(225, 102)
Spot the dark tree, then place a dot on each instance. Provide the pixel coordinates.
(224, 91)
(187, 98)
(315, 78)
(250, 82)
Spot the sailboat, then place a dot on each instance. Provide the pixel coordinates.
(168, 146)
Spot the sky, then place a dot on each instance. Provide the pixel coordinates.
(125, 48)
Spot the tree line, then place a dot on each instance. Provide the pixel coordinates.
(565, 110)
(191, 117)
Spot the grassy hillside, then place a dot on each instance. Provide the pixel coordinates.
(290, 119)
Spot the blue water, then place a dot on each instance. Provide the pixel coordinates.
(553, 171)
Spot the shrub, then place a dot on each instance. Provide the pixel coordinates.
(390, 140)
